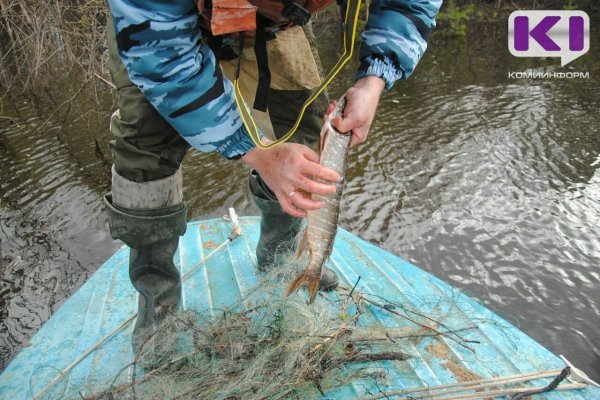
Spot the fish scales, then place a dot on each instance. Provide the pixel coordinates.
(322, 223)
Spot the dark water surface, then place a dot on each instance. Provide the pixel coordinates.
(490, 183)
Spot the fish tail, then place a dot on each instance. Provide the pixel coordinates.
(313, 287)
(305, 278)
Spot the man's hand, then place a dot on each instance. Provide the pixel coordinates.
(293, 168)
(361, 104)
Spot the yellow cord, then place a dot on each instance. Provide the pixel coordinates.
(250, 124)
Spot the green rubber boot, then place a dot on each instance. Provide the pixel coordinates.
(153, 236)
(278, 231)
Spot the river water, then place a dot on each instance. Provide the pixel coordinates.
(490, 183)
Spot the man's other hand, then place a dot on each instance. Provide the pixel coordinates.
(361, 104)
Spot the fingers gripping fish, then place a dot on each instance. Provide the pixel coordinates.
(319, 234)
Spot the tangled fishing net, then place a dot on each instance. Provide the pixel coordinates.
(266, 347)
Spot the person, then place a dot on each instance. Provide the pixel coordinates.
(172, 95)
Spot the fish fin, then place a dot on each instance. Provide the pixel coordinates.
(310, 280)
(322, 141)
(302, 243)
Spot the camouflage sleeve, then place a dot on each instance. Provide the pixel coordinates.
(395, 37)
(159, 43)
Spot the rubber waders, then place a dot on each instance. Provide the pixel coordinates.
(149, 217)
(278, 231)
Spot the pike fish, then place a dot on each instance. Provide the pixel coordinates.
(319, 235)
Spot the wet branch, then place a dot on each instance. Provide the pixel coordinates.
(459, 341)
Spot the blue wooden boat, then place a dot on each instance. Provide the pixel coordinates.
(59, 361)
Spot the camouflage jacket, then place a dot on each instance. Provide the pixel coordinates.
(159, 43)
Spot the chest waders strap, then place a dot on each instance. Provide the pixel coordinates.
(349, 37)
(262, 62)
